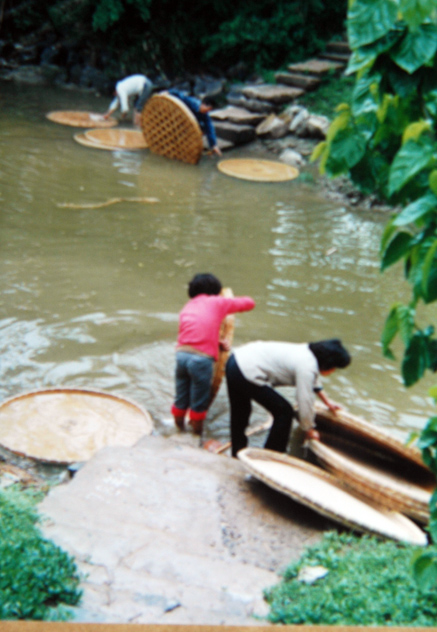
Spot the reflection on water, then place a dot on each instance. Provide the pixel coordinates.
(90, 297)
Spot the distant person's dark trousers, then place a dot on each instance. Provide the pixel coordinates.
(241, 392)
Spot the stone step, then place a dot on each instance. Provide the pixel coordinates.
(236, 134)
(338, 47)
(238, 115)
(342, 58)
(272, 93)
(254, 105)
(306, 82)
(317, 67)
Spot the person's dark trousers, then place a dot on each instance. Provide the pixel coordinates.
(241, 392)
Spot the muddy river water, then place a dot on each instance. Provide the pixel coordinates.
(90, 297)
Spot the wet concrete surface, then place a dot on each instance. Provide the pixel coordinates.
(166, 532)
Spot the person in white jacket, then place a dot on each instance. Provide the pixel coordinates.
(134, 86)
(253, 371)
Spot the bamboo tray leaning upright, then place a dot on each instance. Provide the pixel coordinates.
(171, 129)
(226, 332)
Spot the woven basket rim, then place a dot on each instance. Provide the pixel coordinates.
(285, 172)
(383, 494)
(4, 404)
(374, 433)
(226, 331)
(250, 455)
(72, 118)
(158, 139)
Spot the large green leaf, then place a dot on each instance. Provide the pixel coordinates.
(396, 249)
(429, 275)
(417, 48)
(346, 149)
(369, 20)
(415, 363)
(412, 157)
(416, 210)
(391, 328)
(415, 11)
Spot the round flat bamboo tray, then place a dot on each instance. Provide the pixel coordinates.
(171, 129)
(257, 170)
(370, 436)
(65, 425)
(375, 481)
(226, 332)
(80, 119)
(319, 490)
(112, 139)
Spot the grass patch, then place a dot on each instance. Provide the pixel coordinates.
(37, 578)
(369, 582)
(333, 90)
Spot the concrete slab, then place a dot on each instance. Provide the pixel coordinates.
(166, 532)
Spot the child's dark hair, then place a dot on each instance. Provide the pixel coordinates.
(330, 354)
(209, 100)
(204, 284)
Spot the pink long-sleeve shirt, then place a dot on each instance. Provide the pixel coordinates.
(201, 317)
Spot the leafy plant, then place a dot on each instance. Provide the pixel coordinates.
(36, 576)
(369, 582)
(385, 139)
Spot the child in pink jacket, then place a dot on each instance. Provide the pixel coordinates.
(198, 346)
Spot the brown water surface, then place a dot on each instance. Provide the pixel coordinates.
(90, 297)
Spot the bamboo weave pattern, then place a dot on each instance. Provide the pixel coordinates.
(171, 130)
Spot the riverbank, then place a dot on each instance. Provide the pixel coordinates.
(167, 533)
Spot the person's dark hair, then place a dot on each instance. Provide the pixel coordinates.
(209, 100)
(330, 354)
(204, 284)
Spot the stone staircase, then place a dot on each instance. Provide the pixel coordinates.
(254, 110)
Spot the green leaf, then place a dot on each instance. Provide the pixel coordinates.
(414, 363)
(425, 569)
(415, 130)
(433, 392)
(411, 158)
(417, 48)
(433, 181)
(346, 150)
(369, 20)
(415, 11)
(429, 274)
(398, 247)
(391, 328)
(416, 210)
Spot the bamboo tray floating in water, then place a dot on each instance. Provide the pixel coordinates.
(112, 139)
(226, 332)
(373, 464)
(80, 119)
(171, 129)
(313, 487)
(257, 170)
(65, 425)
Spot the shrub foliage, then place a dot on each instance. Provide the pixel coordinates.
(173, 36)
(36, 576)
(369, 582)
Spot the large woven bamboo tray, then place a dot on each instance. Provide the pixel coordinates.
(65, 425)
(375, 479)
(80, 119)
(313, 487)
(226, 332)
(171, 129)
(112, 139)
(258, 170)
(350, 427)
